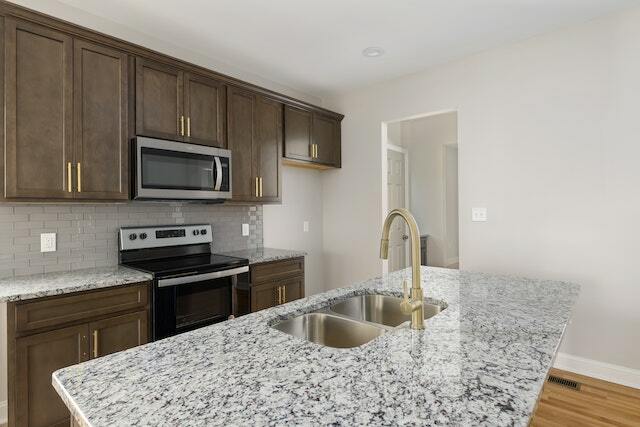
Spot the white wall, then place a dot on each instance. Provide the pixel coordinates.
(425, 139)
(549, 143)
(283, 224)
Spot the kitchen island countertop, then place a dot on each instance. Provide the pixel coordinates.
(483, 360)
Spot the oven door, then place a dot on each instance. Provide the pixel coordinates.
(177, 170)
(186, 302)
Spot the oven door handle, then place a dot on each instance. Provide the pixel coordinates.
(201, 277)
(218, 173)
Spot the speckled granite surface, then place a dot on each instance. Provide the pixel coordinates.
(482, 361)
(256, 256)
(44, 285)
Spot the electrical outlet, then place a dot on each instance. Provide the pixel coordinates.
(245, 229)
(47, 242)
(478, 214)
(305, 226)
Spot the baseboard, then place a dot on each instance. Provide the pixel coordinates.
(3, 412)
(593, 368)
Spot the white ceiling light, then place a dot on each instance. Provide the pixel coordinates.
(373, 52)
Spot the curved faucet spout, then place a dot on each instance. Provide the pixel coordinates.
(417, 310)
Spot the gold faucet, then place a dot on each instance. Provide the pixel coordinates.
(410, 305)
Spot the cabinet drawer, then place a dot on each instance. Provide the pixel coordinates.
(64, 309)
(276, 270)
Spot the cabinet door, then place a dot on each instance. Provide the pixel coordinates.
(118, 333)
(159, 100)
(39, 111)
(268, 146)
(205, 110)
(292, 289)
(100, 122)
(241, 109)
(326, 136)
(37, 357)
(264, 296)
(297, 133)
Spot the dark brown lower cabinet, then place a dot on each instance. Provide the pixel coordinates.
(47, 334)
(275, 283)
(118, 333)
(37, 357)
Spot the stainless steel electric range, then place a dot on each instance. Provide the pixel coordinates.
(192, 287)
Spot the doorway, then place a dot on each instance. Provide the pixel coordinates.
(398, 197)
(420, 173)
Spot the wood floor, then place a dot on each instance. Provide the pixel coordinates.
(597, 403)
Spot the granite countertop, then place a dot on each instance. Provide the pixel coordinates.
(256, 256)
(483, 360)
(44, 285)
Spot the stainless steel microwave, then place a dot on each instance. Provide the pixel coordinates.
(170, 170)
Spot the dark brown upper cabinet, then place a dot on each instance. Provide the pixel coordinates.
(205, 110)
(159, 100)
(178, 105)
(39, 111)
(255, 141)
(311, 138)
(100, 108)
(66, 107)
(297, 133)
(326, 137)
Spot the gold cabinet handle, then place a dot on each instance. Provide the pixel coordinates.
(69, 177)
(79, 171)
(95, 343)
(260, 187)
(279, 295)
(257, 187)
(181, 126)
(189, 126)
(312, 147)
(284, 294)
(316, 150)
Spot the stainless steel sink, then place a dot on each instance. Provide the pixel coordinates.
(381, 309)
(330, 330)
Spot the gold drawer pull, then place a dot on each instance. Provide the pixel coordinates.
(260, 186)
(284, 294)
(189, 126)
(257, 187)
(79, 178)
(181, 126)
(95, 343)
(69, 177)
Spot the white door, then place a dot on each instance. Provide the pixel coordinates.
(396, 197)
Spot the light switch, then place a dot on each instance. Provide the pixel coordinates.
(478, 214)
(245, 229)
(47, 242)
(305, 226)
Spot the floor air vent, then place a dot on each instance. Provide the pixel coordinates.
(574, 385)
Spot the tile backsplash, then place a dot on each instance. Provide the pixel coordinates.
(87, 233)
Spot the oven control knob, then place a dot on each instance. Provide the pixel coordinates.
(133, 236)
(196, 232)
(203, 231)
(143, 236)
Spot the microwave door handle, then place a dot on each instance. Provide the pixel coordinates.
(218, 173)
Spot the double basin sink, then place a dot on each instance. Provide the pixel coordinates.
(352, 322)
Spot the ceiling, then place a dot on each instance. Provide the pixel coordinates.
(315, 46)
